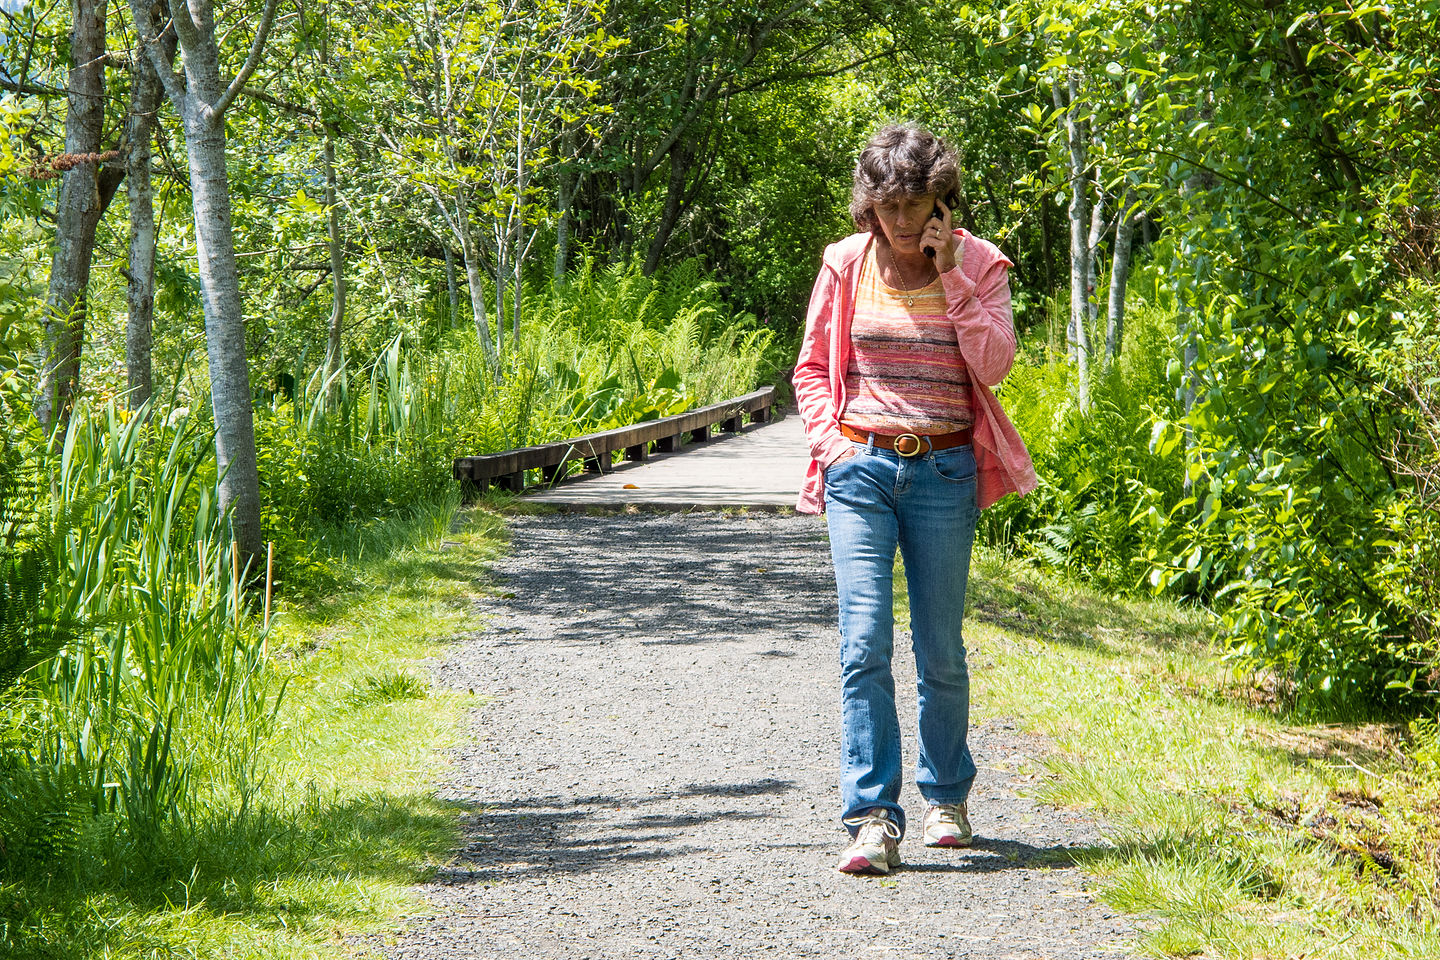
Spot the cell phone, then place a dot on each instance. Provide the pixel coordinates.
(934, 215)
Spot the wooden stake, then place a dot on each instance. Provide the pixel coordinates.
(269, 579)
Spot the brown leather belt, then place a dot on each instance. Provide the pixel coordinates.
(909, 444)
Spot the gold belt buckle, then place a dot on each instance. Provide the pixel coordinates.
(908, 449)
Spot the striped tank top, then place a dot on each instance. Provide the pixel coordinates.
(906, 374)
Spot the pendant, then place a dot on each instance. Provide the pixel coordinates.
(910, 301)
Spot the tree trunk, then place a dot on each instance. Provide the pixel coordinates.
(334, 349)
(76, 215)
(451, 286)
(502, 277)
(1079, 248)
(1047, 254)
(471, 257)
(567, 182)
(1119, 277)
(201, 98)
(1092, 261)
(562, 225)
(224, 331)
(680, 157)
(140, 125)
(519, 256)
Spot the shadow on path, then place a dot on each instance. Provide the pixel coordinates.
(553, 835)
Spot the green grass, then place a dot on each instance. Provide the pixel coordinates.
(345, 822)
(1235, 831)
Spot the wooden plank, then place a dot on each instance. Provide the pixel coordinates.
(597, 446)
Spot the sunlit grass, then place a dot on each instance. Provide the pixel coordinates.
(1234, 830)
(345, 822)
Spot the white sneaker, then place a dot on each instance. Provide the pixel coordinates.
(946, 825)
(876, 847)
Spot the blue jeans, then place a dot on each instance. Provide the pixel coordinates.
(877, 501)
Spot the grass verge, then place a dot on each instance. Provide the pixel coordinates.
(1236, 830)
(345, 822)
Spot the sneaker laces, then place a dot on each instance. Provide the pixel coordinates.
(873, 821)
(949, 814)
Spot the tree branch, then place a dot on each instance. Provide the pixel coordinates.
(1229, 179)
(184, 25)
(30, 89)
(262, 33)
(154, 50)
(286, 105)
(813, 74)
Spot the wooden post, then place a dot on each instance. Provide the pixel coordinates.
(700, 435)
(639, 452)
(550, 473)
(514, 482)
(235, 580)
(269, 578)
(668, 444)
(732, 425)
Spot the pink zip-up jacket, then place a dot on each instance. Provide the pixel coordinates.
(977, 295)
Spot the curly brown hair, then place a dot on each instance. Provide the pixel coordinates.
(902, 160)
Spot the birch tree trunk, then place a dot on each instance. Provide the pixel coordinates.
(201, 98)
(334, 349)
(502, 277)
(1079, 225)
(145, 96)
(1046, 256)
(76, 215)
(1185, 330)
(471, 257)
(519, 257)
(1092, 261)
(450, 285)
(562, 225)
(1119, 277)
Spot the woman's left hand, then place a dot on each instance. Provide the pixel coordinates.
(939, 235)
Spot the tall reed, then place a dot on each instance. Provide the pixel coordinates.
(157, 702)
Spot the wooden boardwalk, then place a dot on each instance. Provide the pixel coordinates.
(760, 466)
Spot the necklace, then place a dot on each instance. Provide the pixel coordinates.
(909, 295)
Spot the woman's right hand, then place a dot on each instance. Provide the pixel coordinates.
(842, 458)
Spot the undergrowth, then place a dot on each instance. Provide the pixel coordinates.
(1234, 829)
(341, 821)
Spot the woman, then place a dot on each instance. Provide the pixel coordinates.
(908, 327)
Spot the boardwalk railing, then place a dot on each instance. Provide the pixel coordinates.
(507, 470)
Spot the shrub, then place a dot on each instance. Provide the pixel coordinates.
(1096, 471)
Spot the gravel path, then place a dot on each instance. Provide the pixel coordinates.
(656, 776)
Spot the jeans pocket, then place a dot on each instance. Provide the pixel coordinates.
(955, 466)
(840, 467)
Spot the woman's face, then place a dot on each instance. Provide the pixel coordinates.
(903, 218)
